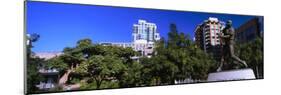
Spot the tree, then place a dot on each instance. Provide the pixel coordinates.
(106, 63)
(173, 36)
(152, 71)
(57, 63)
(177, 59)
(84, 43)
(71, 59)
(131, 76)
(95, 64)
(33, 63)
(100, 68)
(159, 69)
(202, 63)
(33, 75)
(252, 53)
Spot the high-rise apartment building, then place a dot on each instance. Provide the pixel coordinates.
(207, 36)
(144, 36)
(145, 31)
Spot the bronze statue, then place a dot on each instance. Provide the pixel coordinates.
(227, 36)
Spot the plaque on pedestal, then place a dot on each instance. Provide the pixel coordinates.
(239, 74)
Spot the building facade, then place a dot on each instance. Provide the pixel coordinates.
(249, 31)
(144, 35)
(145, 31)
(143, 38)
(207, 36)
(51, 75)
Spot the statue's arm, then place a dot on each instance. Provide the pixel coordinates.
(231, 33)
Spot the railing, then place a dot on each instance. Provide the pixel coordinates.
(43, 85)
(42, 70)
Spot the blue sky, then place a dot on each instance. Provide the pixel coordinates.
(62, 25)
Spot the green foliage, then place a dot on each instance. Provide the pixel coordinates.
(176, 59)
(105, 84)
(252, 53)
(33, 76)
(75, 80)
(56, 62)
(102, 66)
(72, 57)
(91, 85)
(131, 76)
(84, 43)
(191, 61)
(105, 65)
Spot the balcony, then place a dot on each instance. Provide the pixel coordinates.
(47, 85)
(207, 32)
(48, 71)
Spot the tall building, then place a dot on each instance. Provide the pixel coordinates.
(144, 35)
(145, 31)
(207, 36)
(249, 31)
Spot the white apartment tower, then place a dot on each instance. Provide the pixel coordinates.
(145, 31)
(144, 36)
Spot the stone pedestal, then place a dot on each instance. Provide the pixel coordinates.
(238, 74)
